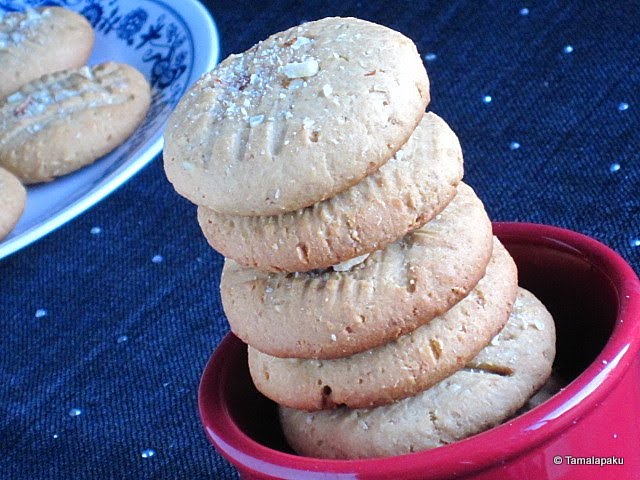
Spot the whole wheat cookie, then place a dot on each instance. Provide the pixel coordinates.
(404, 194)
(296, 119)
(66, 120)
(13, 198)
(400, 368)
(491, 388)
(41, 41)
(329, 314)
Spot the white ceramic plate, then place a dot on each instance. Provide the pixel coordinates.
(172, 42)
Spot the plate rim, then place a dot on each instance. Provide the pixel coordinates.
(205, 22)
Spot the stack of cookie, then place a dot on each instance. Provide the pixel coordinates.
(362, 273)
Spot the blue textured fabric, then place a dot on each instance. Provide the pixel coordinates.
(90, 321)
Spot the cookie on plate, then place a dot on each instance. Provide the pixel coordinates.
(403, 367)
(296, 119)
(66, 120)
(13, 198)
(490, 389)
(329, 314)
(41, 41)
(404, 194)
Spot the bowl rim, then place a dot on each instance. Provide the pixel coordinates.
(484, 449)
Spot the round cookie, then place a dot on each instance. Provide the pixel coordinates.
(330, 314)
(296, 119)
(41, 41)
(489, 390)
(13, 198)
(404, 194)
(403, 367)
(66, 120)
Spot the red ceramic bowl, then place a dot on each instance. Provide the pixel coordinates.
(594, 297)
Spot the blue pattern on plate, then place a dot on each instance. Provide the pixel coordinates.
(163, 37)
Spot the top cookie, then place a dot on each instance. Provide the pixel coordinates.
(41, 41)
(298, 118)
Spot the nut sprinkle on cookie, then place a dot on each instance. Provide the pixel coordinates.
(296, 119)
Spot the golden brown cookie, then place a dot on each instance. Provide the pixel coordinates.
(491, 388)
(13, 198)
(41, 41)
(403, 367)
(404, 194)
(298, 118)
(329, 314)
(66, 120)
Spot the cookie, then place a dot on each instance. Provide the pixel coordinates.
(491, 388)
(298, 118)
(13, 198)
(552, 386)
(403, 367)
(41, 41)
(329, 314)
(66, 120)
(404, 194)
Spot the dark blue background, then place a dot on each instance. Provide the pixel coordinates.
(577, 167)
